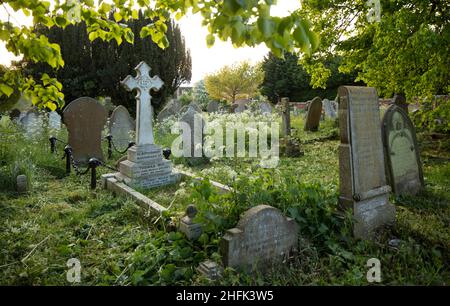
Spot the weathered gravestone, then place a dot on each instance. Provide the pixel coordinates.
(285, 109)
(362, 178)
(32, 123)
(54, 121)
(85, 118)
(193, 105)
(187, 225)
(313, 115)
(172, 108)
(329, 109)
(21, 183)
(120, 127)
(213, 107)
(403, 167)
(145, 166)
(263, 236)
(265, 108)
(239, 108)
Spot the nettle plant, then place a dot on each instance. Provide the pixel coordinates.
(244, 22)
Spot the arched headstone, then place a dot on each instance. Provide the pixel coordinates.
(313, 115)
(120, 127)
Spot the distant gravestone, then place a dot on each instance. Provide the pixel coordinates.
(265, 107)
(85, 119)
(362, 178)
(54, 121)
(404, 170)
(109, 106)
(239, 108)
(263, 236)
(400, 101)
(172, 108)
(187, 226)
(285, 109)
(313, 115)
(213, 107)
(21, 183)
(193, 141)
(329, 109)
(32, 123)
(120, 127)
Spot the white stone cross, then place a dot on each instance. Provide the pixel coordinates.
(143, 83)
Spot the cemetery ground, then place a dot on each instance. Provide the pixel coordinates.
(121, 243)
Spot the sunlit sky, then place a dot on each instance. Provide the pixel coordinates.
(204, 60)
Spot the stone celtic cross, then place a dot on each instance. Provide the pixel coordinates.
(143, 83)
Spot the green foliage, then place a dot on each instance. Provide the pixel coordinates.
(231, 83)
(200, 95)
(434, 115)
(286, 77)
(243, 22)
(406, 51)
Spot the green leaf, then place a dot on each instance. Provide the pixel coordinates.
(5, 89)
(210, 39)
(117, 16)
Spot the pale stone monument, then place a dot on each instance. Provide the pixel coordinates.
(404, 169)
(329, 109)
(54, 121)
(32, 123)
(187, 225)
(313, 115)
(172, 108)
(120, 127)
(263, 236)
(265, 108)
(85, 118)
(193, 139)
(362, 178)
(145, 166)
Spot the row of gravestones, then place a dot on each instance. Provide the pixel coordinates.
(33, 121)
(174, 108)
(372, 161)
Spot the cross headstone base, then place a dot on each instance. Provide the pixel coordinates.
(145, 167)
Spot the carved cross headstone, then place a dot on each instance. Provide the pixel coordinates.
(143, 83)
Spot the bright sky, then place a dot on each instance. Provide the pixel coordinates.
(204, 60)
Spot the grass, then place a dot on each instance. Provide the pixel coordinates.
(117, 242)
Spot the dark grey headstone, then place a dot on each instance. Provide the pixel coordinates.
(213, 107)
(85, 119)
(313, 115)
(404, 170)
(263, 236)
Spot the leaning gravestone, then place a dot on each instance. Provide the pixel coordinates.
(85, 118)
(404, 170)
(285, 109)
(172, 108)
(213, 107)
(313, 115)
(329, 109)
(145, 166)
(362, 178)
(120, 127)
(263, 236)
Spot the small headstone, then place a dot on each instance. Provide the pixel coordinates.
(404, 170)
(109, 106)
(263, 236)
(329, 109)
(265, 107)
(213, 107)
(210, 269)
(285, 109)
(54, 121)
(362, 177)
(85, 119)
(22, 183)
(120, 127)
(188, 227)
(239, 108)
(313, 115)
